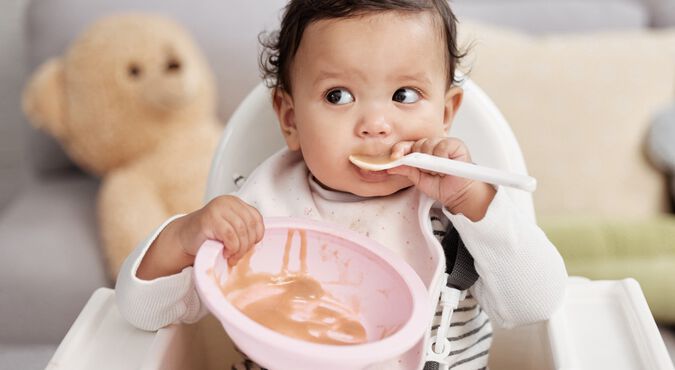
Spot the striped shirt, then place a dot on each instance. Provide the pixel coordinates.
(470, 331)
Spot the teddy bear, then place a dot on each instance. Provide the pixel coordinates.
(132, 101)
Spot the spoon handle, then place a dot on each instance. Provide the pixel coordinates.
(469, 171)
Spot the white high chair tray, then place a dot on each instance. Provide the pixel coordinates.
(602, 325)
(607, 325)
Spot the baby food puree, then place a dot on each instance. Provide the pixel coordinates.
(292, 302)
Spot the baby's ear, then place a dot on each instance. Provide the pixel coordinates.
(453, 99)
(283, 106)
(44, 98)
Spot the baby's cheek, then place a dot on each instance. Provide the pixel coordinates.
(322, 171)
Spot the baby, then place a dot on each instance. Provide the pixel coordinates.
(369, 78)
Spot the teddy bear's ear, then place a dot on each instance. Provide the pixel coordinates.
(44, 97)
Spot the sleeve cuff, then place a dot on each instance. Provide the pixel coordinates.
(153, 304)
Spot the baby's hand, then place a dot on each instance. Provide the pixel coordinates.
(227, 219)
(458, 194)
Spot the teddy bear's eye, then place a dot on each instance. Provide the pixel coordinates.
(173, 65)
(134, 70)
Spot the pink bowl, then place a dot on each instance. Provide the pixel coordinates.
(387, 292)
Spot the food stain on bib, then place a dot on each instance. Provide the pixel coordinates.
(292, 303)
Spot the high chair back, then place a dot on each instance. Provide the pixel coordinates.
(252, 134)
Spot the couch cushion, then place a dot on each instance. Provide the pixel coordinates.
(50, 262)
(598, 248)
(580, 106)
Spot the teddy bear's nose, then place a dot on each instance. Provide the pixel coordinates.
(173, 65)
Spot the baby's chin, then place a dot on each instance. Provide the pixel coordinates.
(376, 189)
(362, 188)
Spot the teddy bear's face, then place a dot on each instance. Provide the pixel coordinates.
(129, 81)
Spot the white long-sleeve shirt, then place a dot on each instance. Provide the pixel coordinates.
(522, 278)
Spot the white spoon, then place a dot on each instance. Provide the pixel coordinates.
(448, 167)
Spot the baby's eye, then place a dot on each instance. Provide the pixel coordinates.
(339, 96)
(406, 95)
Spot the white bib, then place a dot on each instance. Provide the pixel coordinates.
(282, 186)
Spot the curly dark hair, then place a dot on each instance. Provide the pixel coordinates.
(279, 47)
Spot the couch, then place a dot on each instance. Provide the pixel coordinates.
(50, 257)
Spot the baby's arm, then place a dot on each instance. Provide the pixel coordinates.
(522, 275)
(155, 286)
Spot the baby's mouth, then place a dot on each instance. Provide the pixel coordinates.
(371, 156)
(371, 176)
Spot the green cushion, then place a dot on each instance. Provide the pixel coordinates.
(603, 249)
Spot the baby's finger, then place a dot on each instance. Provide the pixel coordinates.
(258, 223)
(246, 235)
(417, 147)
(245, 248)
(228, 236)
(401, 148)
(459, 151)
(254, 221)
(429, 145)
(441, 149)
(242, 252)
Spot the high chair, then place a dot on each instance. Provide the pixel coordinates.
(601, 325)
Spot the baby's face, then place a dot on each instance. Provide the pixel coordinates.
(361, 85)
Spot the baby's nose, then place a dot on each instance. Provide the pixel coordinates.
(374, 126)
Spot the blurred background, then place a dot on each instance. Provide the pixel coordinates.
(588, 87)
(12, 155)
